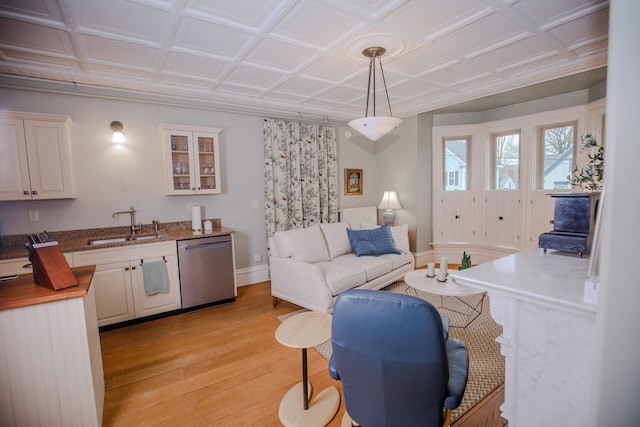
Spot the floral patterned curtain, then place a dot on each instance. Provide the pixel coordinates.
(300, 175)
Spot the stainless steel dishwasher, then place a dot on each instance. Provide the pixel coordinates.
(206, 271)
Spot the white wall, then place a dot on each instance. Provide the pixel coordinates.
(617, 375)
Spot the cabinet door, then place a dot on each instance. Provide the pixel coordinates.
(48, 153)
(192, 162)
(503, 218)
(208, 163)
(114, 297)
(146, 305)
(541, 216)
(178, 162)
(14, 168)
(446, 228)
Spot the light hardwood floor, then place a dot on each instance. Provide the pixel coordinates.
(217, 366)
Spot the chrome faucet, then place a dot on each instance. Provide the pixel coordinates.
(132, 214)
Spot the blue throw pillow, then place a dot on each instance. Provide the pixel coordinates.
(377, 241)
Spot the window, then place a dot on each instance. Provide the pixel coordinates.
(456, 167)
(452, 178)
(556, 159)
(506, 161)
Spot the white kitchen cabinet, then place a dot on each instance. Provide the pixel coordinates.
(192, 160)
(35, 157)
(119, 281)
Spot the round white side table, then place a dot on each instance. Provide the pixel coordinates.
(305, 330)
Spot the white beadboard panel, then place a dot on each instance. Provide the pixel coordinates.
(46, 369)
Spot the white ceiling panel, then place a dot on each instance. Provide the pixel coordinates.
(99, 49)
(316, 24)
(420, 61)
(433, 18)
(34, 37)
(35, 9)
(197, 36)
(301, 57)
(584, 30)
(194, 65)
(333, 69)
(251, 14)
(276, 54)
(487, 33)
(107, 18)
(515, 54)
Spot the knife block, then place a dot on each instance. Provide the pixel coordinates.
(50, 267)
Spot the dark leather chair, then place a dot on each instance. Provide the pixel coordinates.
(396, 366)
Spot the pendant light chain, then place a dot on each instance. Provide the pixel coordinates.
(384, 81)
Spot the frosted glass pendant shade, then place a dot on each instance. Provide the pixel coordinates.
(375, 127)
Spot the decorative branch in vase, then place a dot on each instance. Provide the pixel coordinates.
(589, 178)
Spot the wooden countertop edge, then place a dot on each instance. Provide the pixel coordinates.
(23, 291)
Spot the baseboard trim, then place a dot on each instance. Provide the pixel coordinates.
(251, 275)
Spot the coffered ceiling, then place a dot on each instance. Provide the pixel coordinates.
(288, 57)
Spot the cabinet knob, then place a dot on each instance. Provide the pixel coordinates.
(25, 192)
(34, 192)
(457, 216)
(133, 268)
(126, 269)
(550, 221)
(193, 188)
(500, 218)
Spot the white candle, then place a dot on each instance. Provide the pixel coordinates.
(444, 264)
(431, 269)
(442, 275)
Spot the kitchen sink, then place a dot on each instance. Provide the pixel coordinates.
(123, 239)
(108, 240)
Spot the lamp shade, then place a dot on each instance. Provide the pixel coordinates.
(389, 201)
(374, 127)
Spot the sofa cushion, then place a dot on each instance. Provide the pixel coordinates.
(372, 266)
(400, 234)
(376, 241)
(398, 260)
(340, 277)
(303, 244)
(336, 238)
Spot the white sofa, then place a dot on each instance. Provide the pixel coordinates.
(311, 266)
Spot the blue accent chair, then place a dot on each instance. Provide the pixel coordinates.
(396, 366)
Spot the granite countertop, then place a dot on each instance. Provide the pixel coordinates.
(12, 246)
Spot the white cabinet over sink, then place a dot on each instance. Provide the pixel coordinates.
(191, 160)
(35, 157)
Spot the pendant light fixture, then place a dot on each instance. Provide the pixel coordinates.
(375, 127)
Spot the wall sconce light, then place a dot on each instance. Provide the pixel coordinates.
(389, 202)
(117, 127)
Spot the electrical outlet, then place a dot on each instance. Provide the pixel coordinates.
(257, 258)
(33, 216)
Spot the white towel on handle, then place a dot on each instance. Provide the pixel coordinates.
(155, 275)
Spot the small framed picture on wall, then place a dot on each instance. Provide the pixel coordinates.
(352, 182)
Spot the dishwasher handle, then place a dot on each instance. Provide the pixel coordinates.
(207, 245)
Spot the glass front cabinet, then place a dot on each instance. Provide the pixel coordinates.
(192, 162)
